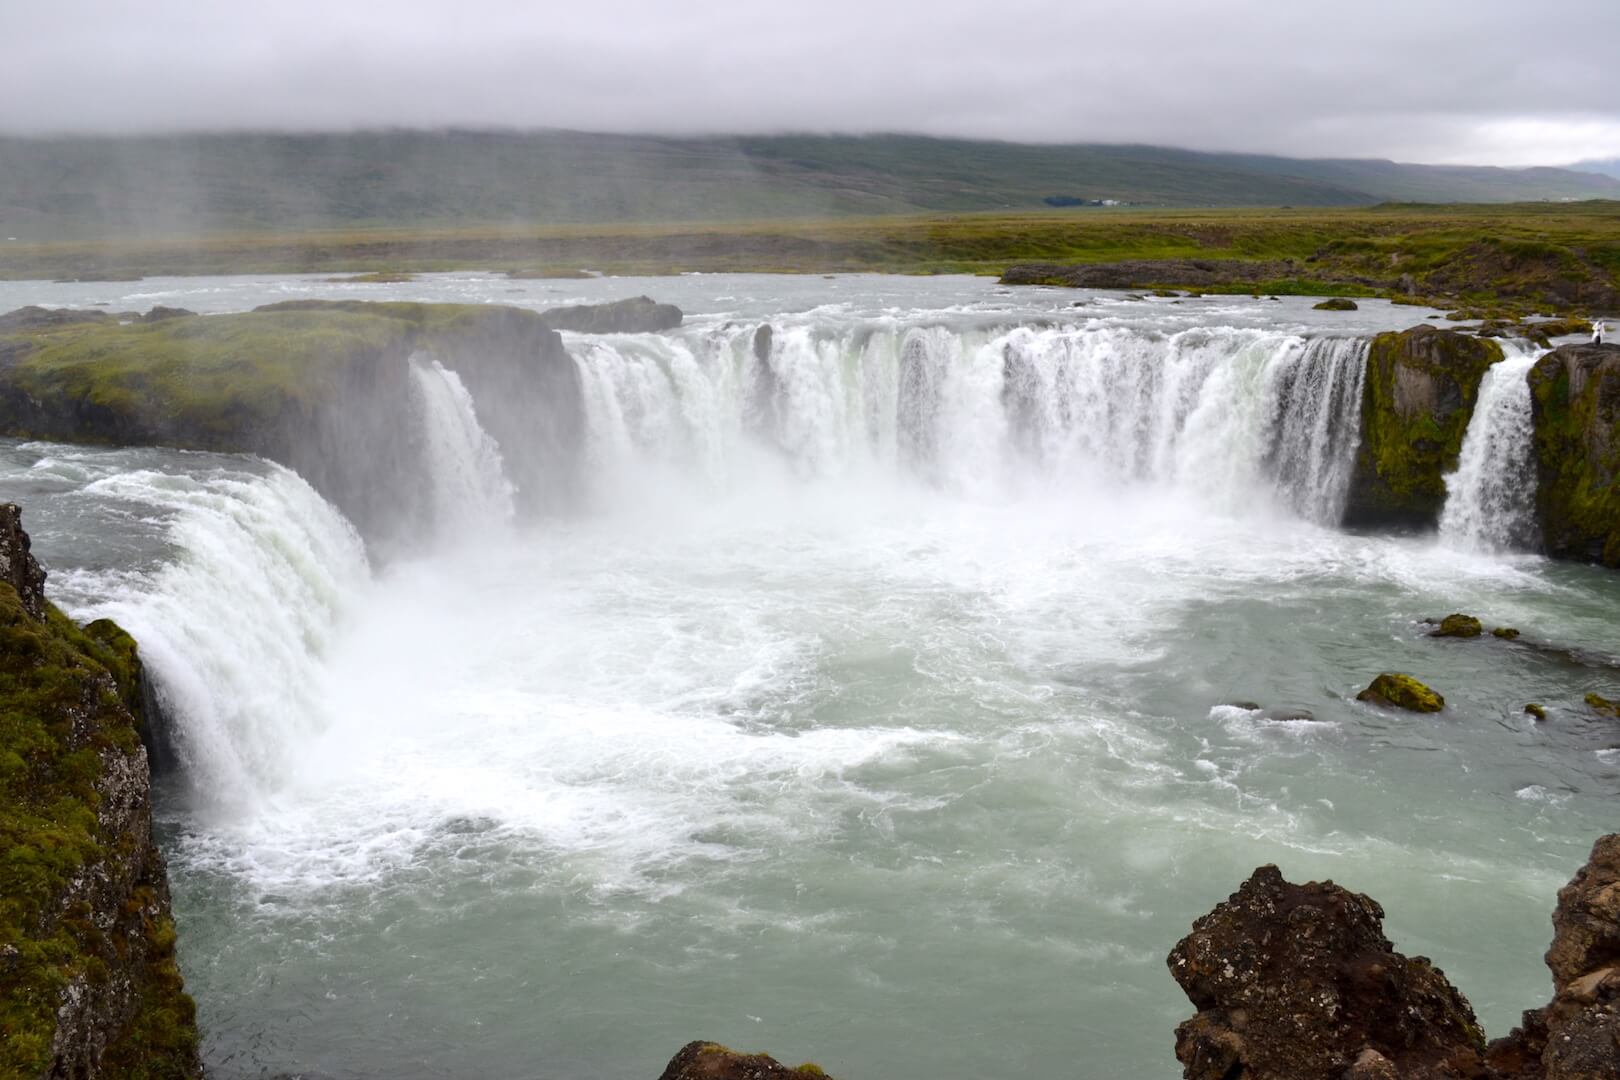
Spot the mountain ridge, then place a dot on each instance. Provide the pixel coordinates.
(177, 185)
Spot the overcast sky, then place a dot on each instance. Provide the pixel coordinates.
(1509, 82)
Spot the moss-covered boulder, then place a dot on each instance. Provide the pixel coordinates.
(1602, 705)
(1575, 409)
(1506, 633)
(1537, 711)
(1336, 303)
(1394, 691)
(1458, 625)
(89, 986)
(1418, 395)
(711, 1061)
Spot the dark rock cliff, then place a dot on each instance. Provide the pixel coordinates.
(1419, 393)
(88, 982)
(1575, 407)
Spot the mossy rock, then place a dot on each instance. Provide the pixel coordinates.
(711, 1061)
(1392, 690)
(1537, 711)
(1336, 303)
(1575, 412)
(85, 906)
(1419, 392)
(1603, 706)
(1458, 625)
(1506, 633)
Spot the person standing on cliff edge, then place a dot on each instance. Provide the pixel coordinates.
(1598, 330)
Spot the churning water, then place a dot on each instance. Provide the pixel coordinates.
(885, 706)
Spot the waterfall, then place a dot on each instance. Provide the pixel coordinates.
(1491, 498)
(233, 630)
(1221, 414)
(470, 489)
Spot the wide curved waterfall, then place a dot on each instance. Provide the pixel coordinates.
(893, 670)
(1491, 498)
(1224, 415)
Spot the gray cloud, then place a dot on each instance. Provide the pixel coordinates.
(1492, 81)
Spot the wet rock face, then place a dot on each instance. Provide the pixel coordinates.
(1298, 982)
(1417, 398)
(711, 1061)
(18, 568)
(1575, 410)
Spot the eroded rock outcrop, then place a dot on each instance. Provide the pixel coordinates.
(1577, 1035)
(1298, 982)
(1419, 393)
(88, 982)
(1575, 408)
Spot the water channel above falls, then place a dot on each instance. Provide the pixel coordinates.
(877, 717)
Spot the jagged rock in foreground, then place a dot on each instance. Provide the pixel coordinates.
(1575, 409)
(711, 1061)
(1298, 982)
(88, 982)
(1577, 1035)
(1419, 393)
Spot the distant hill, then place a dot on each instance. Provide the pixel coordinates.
(1610, 167)
(183, 185)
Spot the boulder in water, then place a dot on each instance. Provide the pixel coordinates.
(1458, 625)
(1391, 690)
(1298, 982)
(1603, 706)
(1336, 303)
(1536, 711)
(1418, 395)
(1575, 411)
(1506, 633)
(711, 1061)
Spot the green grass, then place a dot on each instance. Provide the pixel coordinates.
(1559, 254)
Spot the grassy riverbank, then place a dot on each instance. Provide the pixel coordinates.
(1455, 250)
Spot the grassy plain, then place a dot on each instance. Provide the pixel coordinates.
(1465, 251)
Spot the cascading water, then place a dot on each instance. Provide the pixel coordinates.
(471, 491)
(897, 662)
(1491, 498)
(1219, 413)
(234, 629)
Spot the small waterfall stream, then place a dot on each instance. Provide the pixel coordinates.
(1491, 498)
